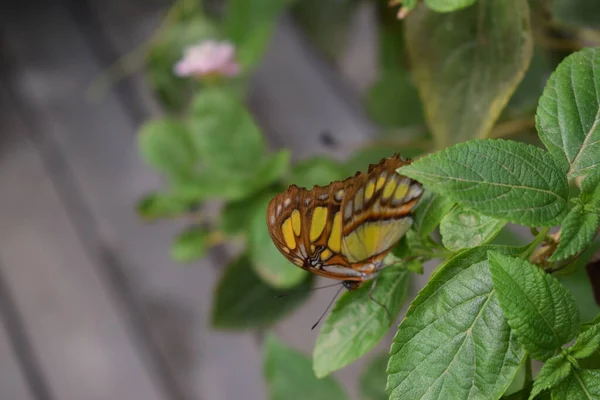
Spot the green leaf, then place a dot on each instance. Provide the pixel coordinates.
(250, 24)
(448, 5)
(393, 101)
(541, 311)
(576, 12)
(454, 341)
(588, 340)
(315, 171)
(464, 229)
(372, 379)
(190, 245)
(326, 23)
(500, 178)
(467, 64)
(243, 301)
(582, 384)
(165, 145)
(175, 92)
(223, 132)
(161, 205)
(356, 323)
(569, 110)
(554, 371)
(267, 261)
(289, 375)
(577, 232)
(236, 215)
(429, 213)
(590, 192)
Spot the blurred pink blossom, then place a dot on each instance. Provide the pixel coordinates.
(209, 58)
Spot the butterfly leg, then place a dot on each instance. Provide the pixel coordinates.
(371, 289)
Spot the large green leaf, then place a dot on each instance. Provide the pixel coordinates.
(373, 379)
(165, 145)
(503, 179)
(244, 301)
(464, 229)
(542, 312)
(357, 323)
(554, 371)
(267, 261)
(467, 64)
(577, 232)
(580, 385)
(454, 342)
(569, 110)
(289, 375)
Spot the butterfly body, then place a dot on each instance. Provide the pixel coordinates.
(344, 230)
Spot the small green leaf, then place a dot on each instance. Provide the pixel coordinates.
(454, 341)
(448, 5)
(541, 311)
(464, 71)
(576, 12)
(190, 245)
(250, 24)
(315, 171)
(394, 102)
(161, 205)
(268, 262)
(554, 371)
(356, 323)
(588, 340)
(500, 178)
(590, 192)
(289, 375)
(372, 379)
(165, 145)
(569, 111)
(577, 232)
(464, 229)
(243, 301)
(581, 384)
(429, 213)
(235, 216)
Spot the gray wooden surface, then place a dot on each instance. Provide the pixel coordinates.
(102, 311)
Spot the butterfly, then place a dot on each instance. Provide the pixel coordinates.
(344, 230)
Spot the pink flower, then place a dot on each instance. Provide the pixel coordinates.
(209, 58)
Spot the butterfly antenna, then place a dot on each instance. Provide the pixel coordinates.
(279, 296)
(327, 309)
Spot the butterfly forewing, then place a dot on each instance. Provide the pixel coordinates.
(344, 230)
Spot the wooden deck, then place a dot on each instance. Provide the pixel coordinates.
(91, 306)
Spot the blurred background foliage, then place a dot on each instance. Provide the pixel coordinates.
(475, 70)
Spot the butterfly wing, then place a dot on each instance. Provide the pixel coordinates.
(379, 212)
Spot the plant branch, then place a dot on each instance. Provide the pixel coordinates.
(539, 239)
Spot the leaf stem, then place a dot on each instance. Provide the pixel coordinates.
(539, 239)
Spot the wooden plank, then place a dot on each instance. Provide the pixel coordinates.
(75, 329)
(13, 384)
(97, 144)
